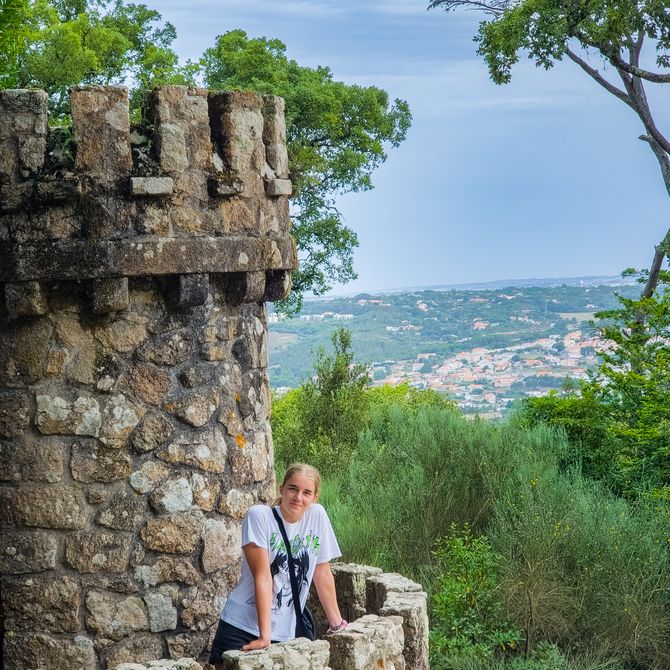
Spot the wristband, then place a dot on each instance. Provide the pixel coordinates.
(336, 629)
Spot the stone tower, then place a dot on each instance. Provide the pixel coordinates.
(134, 398)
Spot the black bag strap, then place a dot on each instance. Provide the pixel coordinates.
(291, 568)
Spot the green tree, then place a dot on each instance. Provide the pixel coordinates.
(13, 15)
(337, 134)
(320, 421)
(73, 42)
(616, 31)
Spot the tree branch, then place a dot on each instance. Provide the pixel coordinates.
(493, 7)
(594, 74)
(635, 71)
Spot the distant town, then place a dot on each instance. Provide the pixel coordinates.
(482, 348)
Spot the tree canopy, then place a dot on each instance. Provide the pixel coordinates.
(337, 136)
(617, 32)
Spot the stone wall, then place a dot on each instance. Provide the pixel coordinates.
(134, 398)
(388, 629)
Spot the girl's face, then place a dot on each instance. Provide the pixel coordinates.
(297, 494)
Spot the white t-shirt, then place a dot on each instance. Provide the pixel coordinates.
(312, 542)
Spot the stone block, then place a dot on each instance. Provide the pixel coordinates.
(220, 187)
(236, 503)
(62, 507)
(31, 460)
(60, 416)
(195, 408)
(48, 653)
(110, 295)
(45, 604)
(186, 645)
(205, 450)
(274, 135)
(98, 551)
(221, 543)
(135, 649)
(350, 582)
(14, 413)
(203, 603)
(277, 285)
(27, 551)
(300, 654)
(124, 511)
(191, 290)
(102, 130)
(161, 608)
(113, 617)
(378, 588)
(167, 349)
(153, 431)
(176, 533)
(146, 382)
(23, 132)
(278, 187)
(173, 495)
(413, 608)
(251, 460)
(205, 490)
(91, 462)
(151, 186)
(123, 334)
(197, 375)
(167, 569)
(370, 642)
(25, 299)
(150, 474)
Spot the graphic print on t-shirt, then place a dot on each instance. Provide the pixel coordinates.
(282, 594)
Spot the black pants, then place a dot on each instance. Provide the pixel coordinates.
(228, 638)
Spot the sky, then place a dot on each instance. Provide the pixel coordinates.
(543, 177)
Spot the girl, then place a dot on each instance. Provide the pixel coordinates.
(260, 608)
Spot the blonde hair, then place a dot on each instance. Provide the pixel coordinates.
(301, 469)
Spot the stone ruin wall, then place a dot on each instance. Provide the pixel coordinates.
(134, 398)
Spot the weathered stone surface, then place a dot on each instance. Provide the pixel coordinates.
(370, 642)
(140, 648)
(119, 419)
(277, 285)
(151, 186)
(123, 512)
(167, 569)
(225, 188)
(173, 495)
(274, 134)
(57, 415)
(92, 462)
(378, 588)
(31, 460)
(176, 533)
(47, 653)
(236, 503)
(197, 375)
(98, 551)
(148, 476)
(27, 551)
(24, 347)
(250, 461)
(277, 187)
(114, 618)
(123, 335)
(221, 543)
(122, 583)
(203, 603)
(102, 130)
(161, 608)
(14, 413)
(44, 507)
(300, 654)
(191, 290)
(413, 608)
(186, 645)
(110, 295)
(168, 349)
(195, 408)
(25, 299)
(205, 450)
(153, 431)
(163, 664)
(205, 490)
(146, 382)
(49, 604)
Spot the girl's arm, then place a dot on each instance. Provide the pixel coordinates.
(259, 564)
(325, 588)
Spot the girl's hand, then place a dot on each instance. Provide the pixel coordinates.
(256, 644)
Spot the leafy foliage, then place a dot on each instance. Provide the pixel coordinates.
(336, 135)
